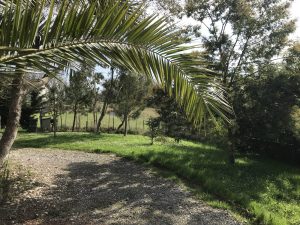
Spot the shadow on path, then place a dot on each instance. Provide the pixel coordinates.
(115, 192)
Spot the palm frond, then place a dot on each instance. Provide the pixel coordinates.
(33, 40)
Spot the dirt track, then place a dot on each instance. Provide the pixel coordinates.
(82, 188)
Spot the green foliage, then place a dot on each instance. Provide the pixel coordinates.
(47, 36)
(173, 120)
(262, 190)
(265, 110)
(130, 91)
(30, 107)
(154, 129)
(79, 91)
(241, 34)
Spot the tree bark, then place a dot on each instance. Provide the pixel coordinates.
(121, 124)
(74, 118)
(11, 130)
(104, 108)
(105, 104)
(54, 124)
(126, 125)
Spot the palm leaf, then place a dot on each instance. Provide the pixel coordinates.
(32, 40)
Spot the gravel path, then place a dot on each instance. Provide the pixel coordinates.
(83, 188)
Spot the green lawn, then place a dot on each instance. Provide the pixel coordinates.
(264, 191)
(139, 125)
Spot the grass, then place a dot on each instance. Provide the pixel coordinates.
(264, 191)
(138, 125)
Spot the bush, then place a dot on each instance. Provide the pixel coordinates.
(154, 130)
(264, 110)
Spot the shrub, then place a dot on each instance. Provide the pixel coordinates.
(154, 129)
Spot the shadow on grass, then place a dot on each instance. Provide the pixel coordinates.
(251, 187)
(117, 192)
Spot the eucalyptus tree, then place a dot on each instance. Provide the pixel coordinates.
(95, 81)
(43, 36)
(79, 91)
(241, 36)
(131, 92)
(107, 97)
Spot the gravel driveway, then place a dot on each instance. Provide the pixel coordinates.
(84, 188)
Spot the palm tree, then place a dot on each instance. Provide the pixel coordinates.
(45, 36)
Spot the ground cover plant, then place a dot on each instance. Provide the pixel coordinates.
(262, 190)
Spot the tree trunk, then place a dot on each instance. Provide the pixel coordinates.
(61, 121)
(55, 124)
(74, 118)
(11, 130)
(94, 116)
(104, 108)
(126, 125)
(105, 104)
(121, 124)
(79, 122)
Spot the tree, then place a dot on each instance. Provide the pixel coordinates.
(42, 36)
(55, 101)
(264, 109)
(30, 107)
(130, 97)
(153, 124)
(79, 92)
(107, 96)
(174, 121)
(240, 35)
(95, 81)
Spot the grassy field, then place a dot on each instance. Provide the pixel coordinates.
(139, 125)
(263, 191)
